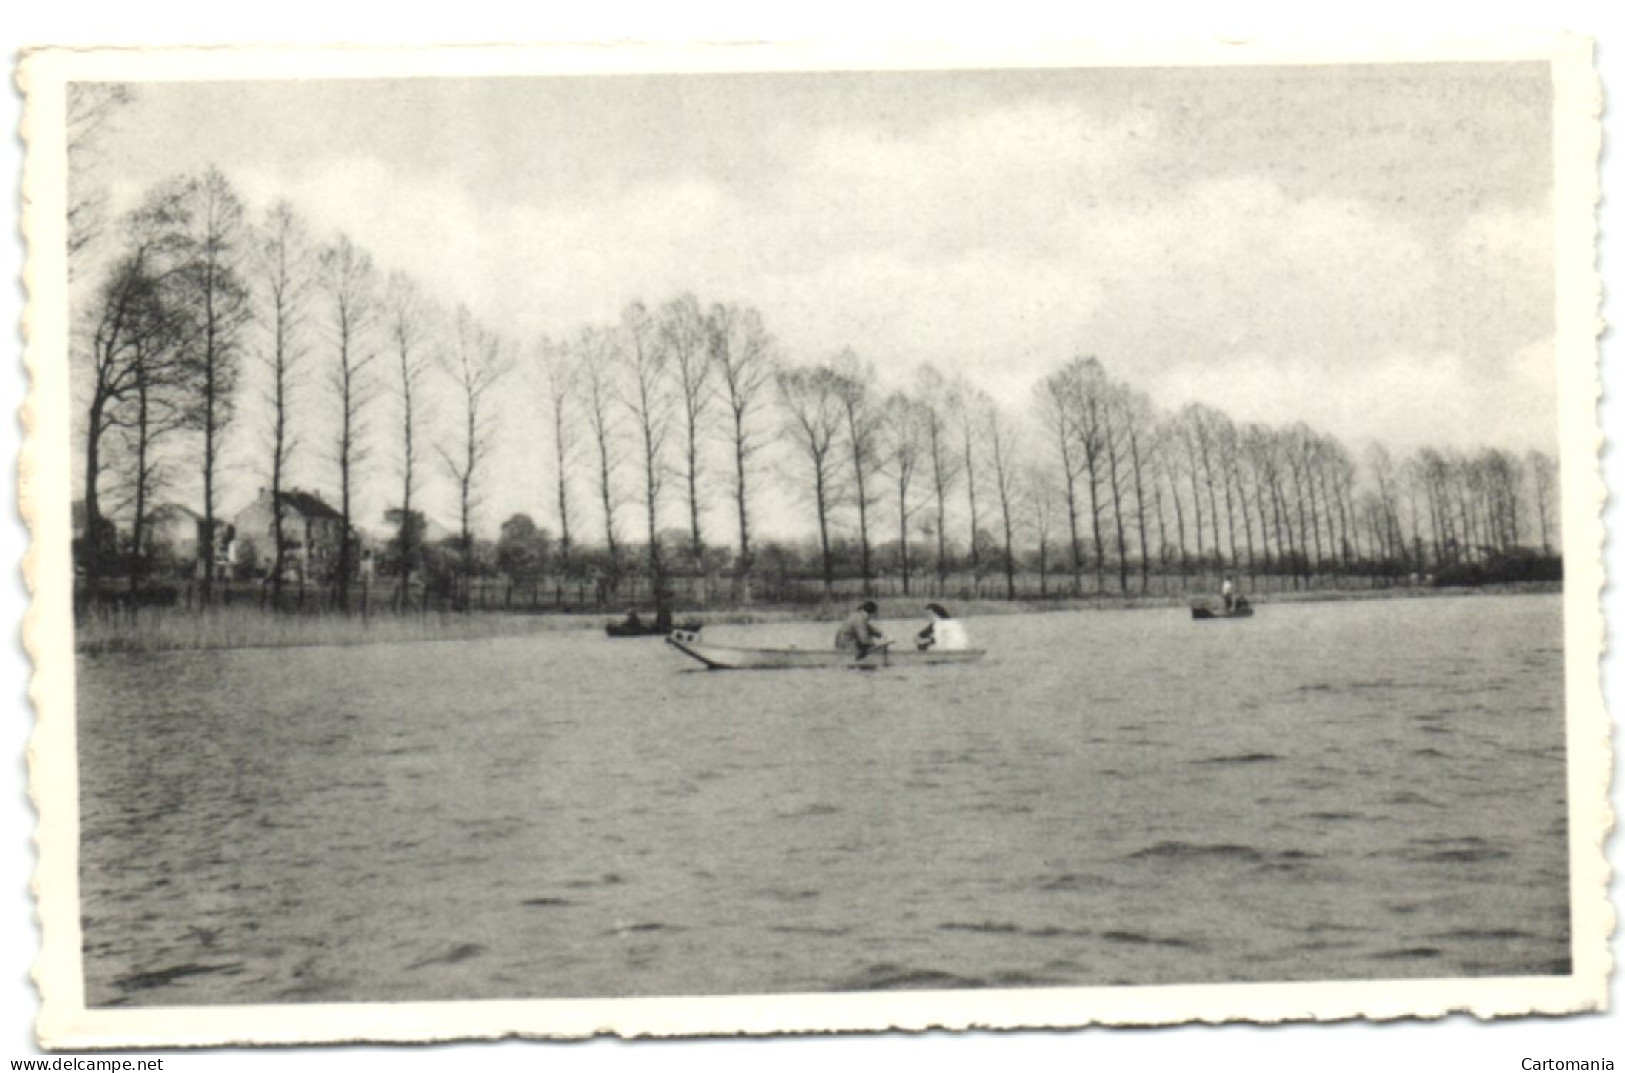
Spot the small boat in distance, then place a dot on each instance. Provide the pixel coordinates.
(729, 658)
(1240, 609)
(633, 627)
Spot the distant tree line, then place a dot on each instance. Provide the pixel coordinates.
(680, 414)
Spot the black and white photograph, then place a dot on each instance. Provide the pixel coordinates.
(689, 542)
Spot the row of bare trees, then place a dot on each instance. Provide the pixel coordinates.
(194, 293)
(691, 410)
(659, 393)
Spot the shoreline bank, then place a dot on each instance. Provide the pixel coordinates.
(153, 630)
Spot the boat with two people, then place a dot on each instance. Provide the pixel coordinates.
(859, 645)
(1232, 604)
(662, 626)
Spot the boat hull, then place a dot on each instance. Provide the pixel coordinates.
(729, 658)
(621, 629)
(1202, 613)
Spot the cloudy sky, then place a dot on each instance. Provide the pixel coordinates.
(1364, 248)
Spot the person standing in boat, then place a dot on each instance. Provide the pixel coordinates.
(859, 633)
(943, 632)
(1228, 591)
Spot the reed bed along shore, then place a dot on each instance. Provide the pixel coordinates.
(164, 629)
(107, 629)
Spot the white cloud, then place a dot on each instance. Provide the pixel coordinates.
(993, 240)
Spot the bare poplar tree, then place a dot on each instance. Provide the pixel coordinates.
(408, 324)
(1041, 502)
(216, 296)
(862, 413)
(944, 460)
(1249, 497)
(814, 419)
(742, 353)
(476, 364)
(685, 338)
(648, 399)
(1203, 424)
(350, 308)
(136, 308)
(154, 408)
(1059, 398)
(1543, 489)
(904, 446)
(595, 360)
(1092, 391)
(1004, 454)
(968, 431)
(558, 371)
(283, 267)
(1135, 422)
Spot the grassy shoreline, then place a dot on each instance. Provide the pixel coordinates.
(151, 630)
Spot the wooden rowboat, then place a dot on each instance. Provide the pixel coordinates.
(1203, 612)
(729, 658)
(627, 629)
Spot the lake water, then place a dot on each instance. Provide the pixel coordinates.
(1326, 791)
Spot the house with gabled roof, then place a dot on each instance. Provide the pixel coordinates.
(311, 533)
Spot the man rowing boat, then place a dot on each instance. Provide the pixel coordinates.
(859, 634)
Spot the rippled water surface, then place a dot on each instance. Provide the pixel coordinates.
(1327, 791)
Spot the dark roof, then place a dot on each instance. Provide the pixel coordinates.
(166, 511)
(311, 506)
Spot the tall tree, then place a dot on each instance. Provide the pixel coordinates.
(862, 414)
(814, 418)
(476, 364)
(136, 308)
(595, 361)
(349, 313)
(559, 385)
(1543, 490)
(968, 428)
(1042, 501)
(1163, 492)
(1004, 454)
(1058, 398)
(283, 270)
(154, 409)
(1203, 429)
(742, 353)
(944, 460)
(408, 324)
(905, 444)
(1092, 431)
(685, 339)
(648, 399)
(216, 295)
(1114, 441)
(1137, 421)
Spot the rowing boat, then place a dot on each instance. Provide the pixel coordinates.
(640, 629)
(1241, 610)
(729, 658)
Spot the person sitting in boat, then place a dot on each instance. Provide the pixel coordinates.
(632, 621)
(1228, 591)
(943, 631)
(859, 633)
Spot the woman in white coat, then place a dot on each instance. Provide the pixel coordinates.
(943, 631)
